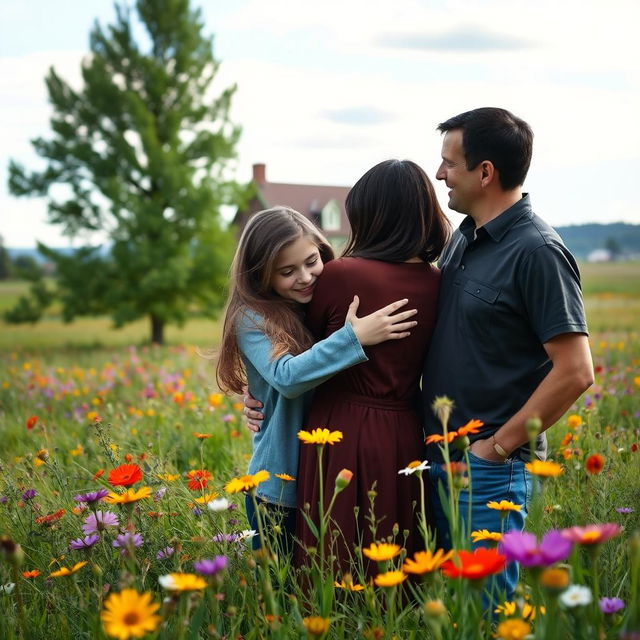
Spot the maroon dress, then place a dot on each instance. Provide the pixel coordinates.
(373, 404)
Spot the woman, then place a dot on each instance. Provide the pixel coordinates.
(397, 231)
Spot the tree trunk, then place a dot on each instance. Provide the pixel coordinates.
(157, 330)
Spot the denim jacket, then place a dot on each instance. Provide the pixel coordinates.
(284, 387)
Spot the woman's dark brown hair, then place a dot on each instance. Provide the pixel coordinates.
(394, 215)
(265, 235)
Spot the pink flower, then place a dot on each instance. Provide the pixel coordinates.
(525, 549)
(592, 533)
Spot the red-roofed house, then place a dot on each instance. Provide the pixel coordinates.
(321, 204)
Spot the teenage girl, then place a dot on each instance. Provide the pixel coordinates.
(265, 343)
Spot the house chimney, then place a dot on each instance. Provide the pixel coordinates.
(260, 174)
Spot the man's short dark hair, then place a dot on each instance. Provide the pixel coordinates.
(496, 135)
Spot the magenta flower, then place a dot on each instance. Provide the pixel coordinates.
(211, 567)
(99, 521)
(592, 533)
(523, 547)
(84, 543)
(611, 605)
(92, 496)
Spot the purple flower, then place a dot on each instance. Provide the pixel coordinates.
(167, 552)
(196, 512)
(225, 537)
(92, 496)
(99, 521)
(4, 500)
(624, 510)
(29, 494)
(211, 567)
(84, 543)
(611, 605)
(159, 494)
(523, 547)
(127, 541)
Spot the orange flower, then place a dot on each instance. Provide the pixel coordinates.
(198, 479)
(594, 464)
(202, 436)
(574, 421)
(125, 475)
(98, 474)
(473, 426)
(34, 573)
(31, 422)
(474, 565)
(51, 517)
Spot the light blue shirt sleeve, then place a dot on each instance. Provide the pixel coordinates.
(292, 375)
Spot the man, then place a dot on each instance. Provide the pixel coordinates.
(511, 341)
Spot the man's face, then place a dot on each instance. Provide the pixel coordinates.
(464, 185)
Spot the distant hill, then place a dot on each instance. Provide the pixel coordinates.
(581, 239)
(584, 238)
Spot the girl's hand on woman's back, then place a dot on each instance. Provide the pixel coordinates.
(381, 325)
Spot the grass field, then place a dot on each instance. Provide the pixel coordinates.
(78, 401)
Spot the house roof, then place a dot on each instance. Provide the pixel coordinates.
(305, 198)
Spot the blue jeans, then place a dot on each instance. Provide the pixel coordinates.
(489, 481)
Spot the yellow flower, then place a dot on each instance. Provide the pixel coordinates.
(216, 399)
(426, 561)
(636, 381)
(130, 495)
(390, 578)
(504, 505)
(207, 497)
(246, 483)
(544, 468)
(130, 614)
(182, 582)
(507, 608)
(485, 534)
(316, 626)
(285, 477)
(514, 629)
(320, 436)
(347, 583)
(67, 571)
(574, 421)
(555, 579)
(381, 552)
(169, 477)
(78, 451)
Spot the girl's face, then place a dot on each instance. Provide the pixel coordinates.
(296, 270)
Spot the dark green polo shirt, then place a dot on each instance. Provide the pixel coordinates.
(503, 295)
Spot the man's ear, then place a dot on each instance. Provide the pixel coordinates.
(487, 173)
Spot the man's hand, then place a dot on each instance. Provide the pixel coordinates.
(484, 449)
(253, 418)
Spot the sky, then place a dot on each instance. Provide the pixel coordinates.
(325, 90)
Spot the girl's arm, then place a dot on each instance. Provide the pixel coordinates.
(293, 375)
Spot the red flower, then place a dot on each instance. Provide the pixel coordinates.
(31, 422)
(198, 479)
(594, 464)
(51, 517)
(474, 565)
(125, 475)
(634, 447)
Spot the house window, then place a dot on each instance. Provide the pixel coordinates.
(331, 216)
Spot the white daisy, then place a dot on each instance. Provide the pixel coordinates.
(414, 466)
(576, 595)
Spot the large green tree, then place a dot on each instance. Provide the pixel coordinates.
(140, 153)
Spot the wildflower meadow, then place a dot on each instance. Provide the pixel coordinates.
(122, 488)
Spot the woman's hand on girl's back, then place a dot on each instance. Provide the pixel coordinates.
(381, 325)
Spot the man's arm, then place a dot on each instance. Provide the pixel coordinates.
(571, 375)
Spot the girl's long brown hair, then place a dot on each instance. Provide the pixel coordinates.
(263, 238)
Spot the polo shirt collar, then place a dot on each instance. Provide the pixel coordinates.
(497, 228)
